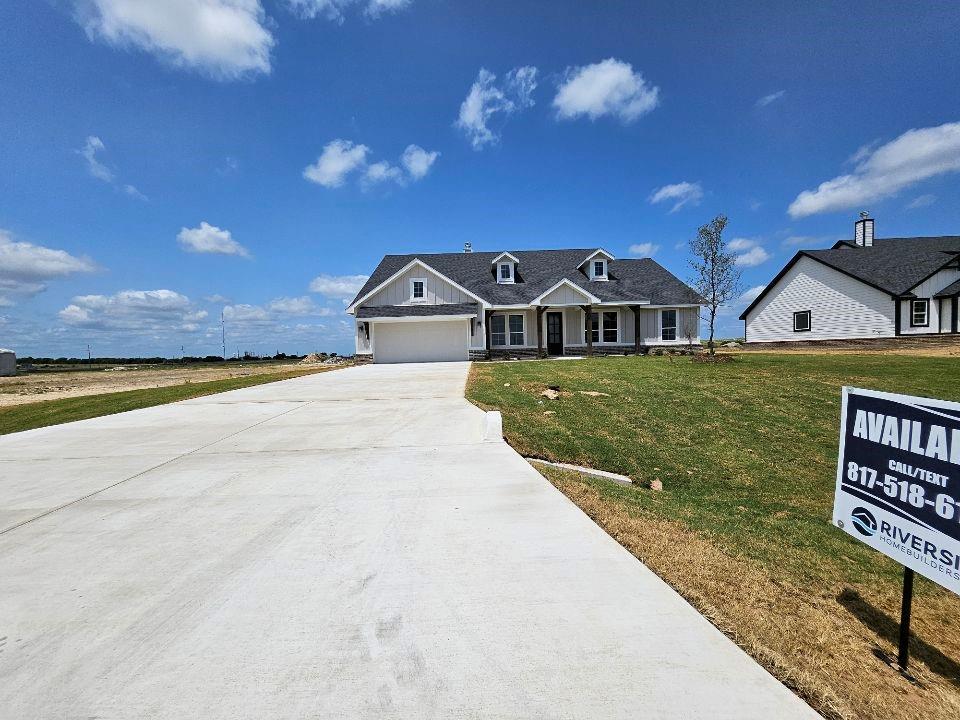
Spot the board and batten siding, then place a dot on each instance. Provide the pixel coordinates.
(840, 307)
(438, 291)
(925, 291)
(565, 295)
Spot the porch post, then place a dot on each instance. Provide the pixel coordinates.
(487, 314)
(540, 311)
(636, 328)
(588, 327)
(896, 316)
(953, 314)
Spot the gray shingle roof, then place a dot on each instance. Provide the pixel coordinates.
(893, 265)
(372, 311)
(949, 290)
(539, 270)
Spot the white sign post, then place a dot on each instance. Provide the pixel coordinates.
(898, 486)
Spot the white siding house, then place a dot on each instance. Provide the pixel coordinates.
(865, 288)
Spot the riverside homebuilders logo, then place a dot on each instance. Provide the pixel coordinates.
(864, 521)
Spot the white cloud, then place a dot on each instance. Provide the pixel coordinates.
(89, 151)
(335, 9)
(343, 287)
(418, 161)
(210, 239)
(303, 305)
(216, 299)
(155, 311)
(25, 268)
(342, 158)
(753, 257)
(771, 98)
(647, 249)
(683, 193)
(338, 159)
(881, 172)
(223, 39)
(921, 201)
(609, 87)
(740, 244)
(485, 100)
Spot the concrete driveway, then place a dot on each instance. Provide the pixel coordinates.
(341, 545)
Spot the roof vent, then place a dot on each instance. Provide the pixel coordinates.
(468, 247)
(863, 230)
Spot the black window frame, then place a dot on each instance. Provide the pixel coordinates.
(799, 314)
(926, 312)
(607, 314)
(594, 327)
(511, 332)
(675, 327)
(494, 332)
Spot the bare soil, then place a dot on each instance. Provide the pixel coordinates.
(35, 386)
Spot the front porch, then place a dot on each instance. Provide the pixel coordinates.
(541, 331)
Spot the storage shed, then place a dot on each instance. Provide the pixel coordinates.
(8, 363)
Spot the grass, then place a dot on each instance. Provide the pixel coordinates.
(746, 452)
(53, 412)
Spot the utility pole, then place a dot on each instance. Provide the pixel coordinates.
(88, 353)
(223, 336)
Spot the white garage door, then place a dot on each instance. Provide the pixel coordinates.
(433, 341)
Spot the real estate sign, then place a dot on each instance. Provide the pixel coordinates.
(898, 480)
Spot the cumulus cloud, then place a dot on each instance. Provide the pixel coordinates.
(753, 257)
(222, 39)
(771, 98)
(97, 169)
(647, 249)
(303, 305)
(25, 269)
(880, 172)
(341, 287)
(741, 244)
(335, 9)
(418, 161)
(211, 240)
(609, 87)
(153, 311)
(680, 194)
(342, 158)
(485, 100)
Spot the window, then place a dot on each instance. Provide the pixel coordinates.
(418, 290)
(498, 330)
(919, 313)
(594, 328)
(599, 270)
(801, 321)
(516, 329)
(506, 272)
(668, 324)
(610, 327)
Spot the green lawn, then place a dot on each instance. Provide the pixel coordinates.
(746, 450)
(54, 412)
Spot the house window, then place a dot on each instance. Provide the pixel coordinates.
(418, 290)
(498, 330)
(516, 329)
(610, 327)
(668, 324)
(506, 272)
(594, 328)
(599, 269)
(801, 321)
(919, 313)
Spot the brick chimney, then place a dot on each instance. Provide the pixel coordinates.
(863, 230)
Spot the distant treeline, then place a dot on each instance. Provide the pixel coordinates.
(246, 357)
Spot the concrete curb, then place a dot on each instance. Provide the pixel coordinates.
(616, 477)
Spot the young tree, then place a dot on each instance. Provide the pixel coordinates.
(716, 276)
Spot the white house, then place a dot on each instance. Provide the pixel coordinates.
(456, 306)
(862, 288)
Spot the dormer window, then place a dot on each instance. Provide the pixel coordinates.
(596, 265)
(505, 268)
(599, 269)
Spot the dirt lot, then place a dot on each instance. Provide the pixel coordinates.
(45, 385)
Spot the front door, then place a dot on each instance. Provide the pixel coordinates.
(554, 333)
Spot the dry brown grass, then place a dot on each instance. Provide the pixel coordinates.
(824, 641)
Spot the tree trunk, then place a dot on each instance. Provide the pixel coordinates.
(713, 318)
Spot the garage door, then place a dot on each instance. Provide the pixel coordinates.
(433, 341)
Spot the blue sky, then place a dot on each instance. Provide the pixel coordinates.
(161, 162)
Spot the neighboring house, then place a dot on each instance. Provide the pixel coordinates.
(862, 288)
(455, 306)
